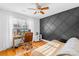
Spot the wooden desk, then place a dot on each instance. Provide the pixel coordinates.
(15, 38)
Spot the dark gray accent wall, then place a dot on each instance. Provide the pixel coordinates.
(61, 26)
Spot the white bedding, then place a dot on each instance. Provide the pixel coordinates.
(71, 47)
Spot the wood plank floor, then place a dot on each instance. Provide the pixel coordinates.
(12, 52)
(38, 43)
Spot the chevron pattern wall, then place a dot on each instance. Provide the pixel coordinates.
(61, 26)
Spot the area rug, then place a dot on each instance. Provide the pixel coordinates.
(48, 49)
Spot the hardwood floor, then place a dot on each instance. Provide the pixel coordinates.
(20, 51)
(38, 43)
(37, 47)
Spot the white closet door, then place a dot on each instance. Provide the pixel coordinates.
(3, 31)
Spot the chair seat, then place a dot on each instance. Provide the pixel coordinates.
(27, 44)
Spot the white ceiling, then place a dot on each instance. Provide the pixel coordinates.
(23, 8)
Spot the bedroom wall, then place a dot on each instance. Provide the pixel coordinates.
(61, 26)
(6, 17)
(3, 31)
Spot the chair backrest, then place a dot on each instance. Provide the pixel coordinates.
(28, 36)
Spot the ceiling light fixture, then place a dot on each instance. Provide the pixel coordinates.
(39, 9)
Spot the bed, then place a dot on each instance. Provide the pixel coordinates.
(71, 48)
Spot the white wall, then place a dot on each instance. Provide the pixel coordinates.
(6, 40)
(37, 25)
(34, 25)
(4, 31)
